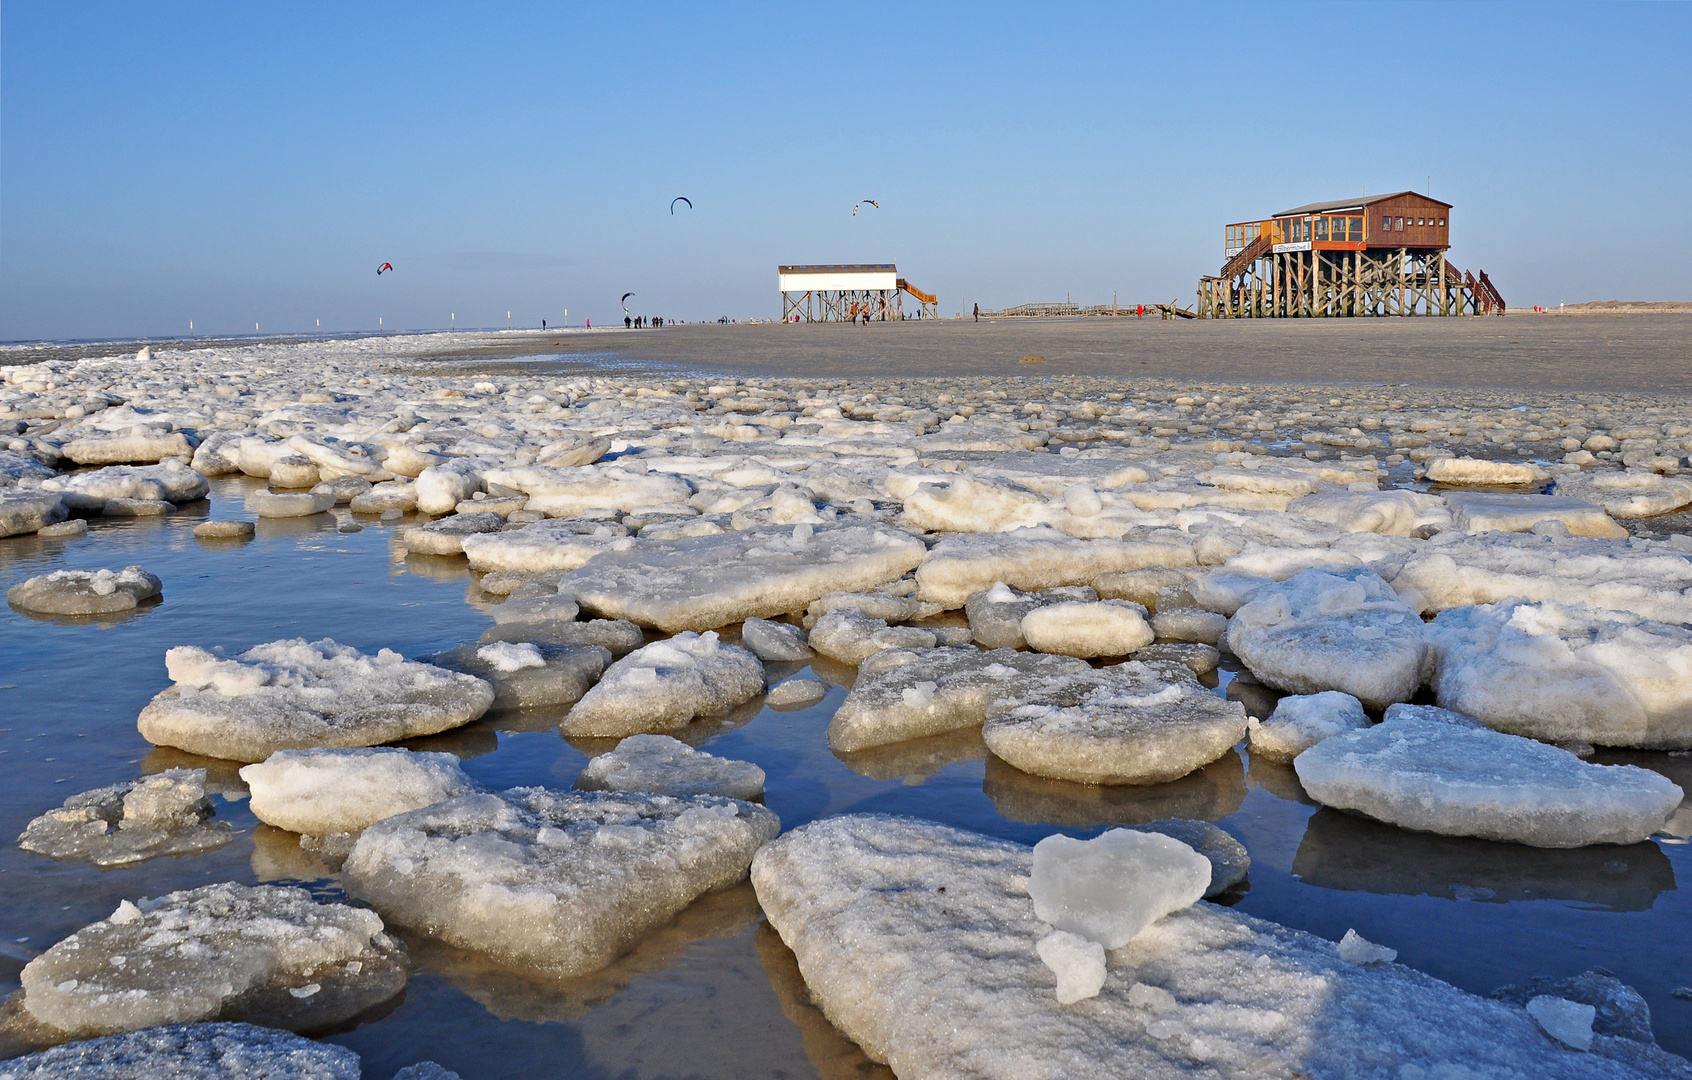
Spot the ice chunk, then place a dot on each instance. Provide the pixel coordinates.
(973, 505)
(619, 636)
(1566, 673)
(29, 511)
(561, 544)
(1570, 1023)
(1322, 631)
(1111, 887)
(1201, 659)
(426, 1070)
(277, 504)
(1101, 628)
(1420, 771)
(220, 951)
(126, 823)
(388, 495)
(949, 983)
(711, 581)
(170, 481)
(996, 614)
(1632, 493)
(1452, 470)
(1393, 513)
(293, 694)
(137, 445)
(225, 530)
(85, 592)
(319, 792)
(909, 693)
(1078, 963)
(1355, 949)
(774, 641)
(660, 765)
(440, 488)
(446, 536)
(529, 675)
(1619, 1009)
(879, 605)
(1038, 558)
(1303, 720)
(189, 1052)
(661, 686)
(559, 492)
(1132, 723)
(849, 636)
(1189, 624)
(1478, 512)
(796, 692)
(1229, 861)
(557, 881)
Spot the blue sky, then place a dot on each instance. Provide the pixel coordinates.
(233, 163)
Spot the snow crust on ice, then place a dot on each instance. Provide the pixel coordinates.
(528, 675)
(1440, 772)
(319, 792)
(1488, 511)
(559, 544)
(909, 693)
(1645, 577)
(85, 592)
(1131, 723)
(1300, 721)
(1100, 628)
(661, 686)
(950, 983)
(1344, 631)
(774, 641)
(660, 765)
(189, 1052)
(219, 952)
(1031, 559)
(129, 822)
(1111, 887)
(562, 882)
(1566, 673)
(848, 635)
(710, 581)
(295, 694)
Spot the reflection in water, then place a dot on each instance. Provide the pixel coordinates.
(509, 994)
(223, 777)
(1355, 854)
(700, 730)
(1678, 768)
(833, 672)
(1280, 780)
(834, 1056)
(104, 621)
(1259, 700)
(915, 760)
(278, 857)
(1210, 794)
(437, 567)
(473, 740)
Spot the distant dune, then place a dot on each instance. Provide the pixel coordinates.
(1615, 307)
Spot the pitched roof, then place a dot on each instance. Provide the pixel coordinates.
(1352, 204)
(841, 268)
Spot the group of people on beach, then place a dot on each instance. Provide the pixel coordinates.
(636, 322)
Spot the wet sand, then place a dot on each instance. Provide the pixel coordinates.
(1626, 355)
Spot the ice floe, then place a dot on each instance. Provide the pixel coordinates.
(219, 1051)
(321, 792)
(128, 822)
(661, 686)
(660, 765)
(1300, 721)
(85, 592)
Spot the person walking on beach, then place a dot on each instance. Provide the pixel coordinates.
(628, 323)
(978, 313)
(543, 324)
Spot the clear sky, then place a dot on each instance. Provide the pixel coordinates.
(241, 163)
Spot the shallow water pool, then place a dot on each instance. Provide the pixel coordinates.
(716, 993)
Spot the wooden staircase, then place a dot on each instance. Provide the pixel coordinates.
(1249, 254)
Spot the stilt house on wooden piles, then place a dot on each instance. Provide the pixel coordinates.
(1380, 255)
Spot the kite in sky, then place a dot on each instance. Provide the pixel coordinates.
(384, 266)
(625, 302)
(861, 202)
(680, 198)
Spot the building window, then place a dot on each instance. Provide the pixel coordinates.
(1442, 223)
(1398, 224)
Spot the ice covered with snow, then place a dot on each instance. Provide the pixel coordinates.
(1031, 559)
(1630, 493)
(1300, 721)
(565, 492)
(660, 765)
(219, 1051)
(295, 694)
(557, 544)
(1487, 511)
(712, 581)
(1444, 773)
(128, 822)
(319, 792)
(1078, 963)
(562, 882)
(910, 693)
(918, 941)
(661, 686)
(1086, 630)
(230, 952)
(526, 674)
(171, 482)
(848, 635)
(1344, 631)
(1393, 513)
(1131, 723)
(1566, 673)
(1455, 470)
(85, 592)
(1111, 887)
